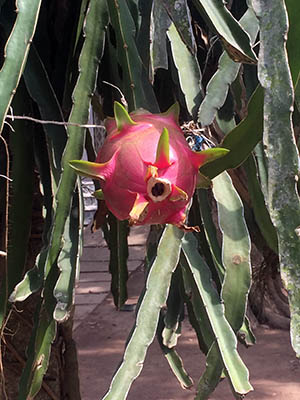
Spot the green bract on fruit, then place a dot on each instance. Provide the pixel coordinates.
(147, 169)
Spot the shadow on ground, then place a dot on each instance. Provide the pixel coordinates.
(274, 369)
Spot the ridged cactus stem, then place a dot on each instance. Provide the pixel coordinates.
(15, 54)
(150, 303)
(63, 243)
(280, 146)
(16, 51)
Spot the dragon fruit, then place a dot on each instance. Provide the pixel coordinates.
(147, 169)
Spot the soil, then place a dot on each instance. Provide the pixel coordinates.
(274, 369)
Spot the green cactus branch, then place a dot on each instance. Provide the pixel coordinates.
(212, 374)
(150, 304)
(189, 72)
(42, 92)
(223, 336)
(174, 313)
(22, 186)
(293, 10)
(143, 36)
(173, 358)
(218, 86)
(235, 259)
(261, 213)
(160, 24)
(210, 231)
(15, 54)
(60, 282)
(118, 245)
(241, 140)
(137, 89)
(181, 17)
(16, 50)
(92, 50)
(235, 250)
(154, 51)
(235, 40)
(280, 147)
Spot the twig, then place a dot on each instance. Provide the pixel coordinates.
(6, 209)
(5, 279)
(18, 314)
(123, 100)
(9, 125)
(5, 177)
(45, 122)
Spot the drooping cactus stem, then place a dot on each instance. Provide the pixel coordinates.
(122, 117)
(163, 150)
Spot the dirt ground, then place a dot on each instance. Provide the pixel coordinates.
(274, 369)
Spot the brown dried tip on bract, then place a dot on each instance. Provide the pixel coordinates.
(186, 228)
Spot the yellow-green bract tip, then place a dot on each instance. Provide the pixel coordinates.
(122, 117)
(163, 150)
(200, 158)
(85, 168)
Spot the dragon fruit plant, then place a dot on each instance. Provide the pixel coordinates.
(147, 170)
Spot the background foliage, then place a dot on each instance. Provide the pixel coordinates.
(237, 86)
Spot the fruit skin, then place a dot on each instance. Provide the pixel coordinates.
(147, 169)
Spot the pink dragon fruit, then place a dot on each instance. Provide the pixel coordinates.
(147, 169)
